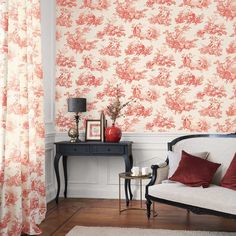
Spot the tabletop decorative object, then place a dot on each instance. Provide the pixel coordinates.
(72, 133)
(77, 105)
(103, 126)
(93, 130)
(113, 133)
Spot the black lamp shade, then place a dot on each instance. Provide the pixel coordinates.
(76, 105)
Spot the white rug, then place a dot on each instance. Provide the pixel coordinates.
(113, 231)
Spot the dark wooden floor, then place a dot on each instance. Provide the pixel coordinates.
(102, 212)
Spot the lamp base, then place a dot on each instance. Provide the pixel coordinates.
(77, 118)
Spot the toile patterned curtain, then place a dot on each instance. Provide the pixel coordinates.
(22, 134)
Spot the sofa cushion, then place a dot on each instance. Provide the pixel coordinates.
(221, 150)
(174, 159)
(214, 198)
(194, 171)
(229, 180)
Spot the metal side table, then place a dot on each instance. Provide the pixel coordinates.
(128, 176)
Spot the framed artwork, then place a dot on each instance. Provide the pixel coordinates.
(93, 130)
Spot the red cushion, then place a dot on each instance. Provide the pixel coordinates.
(229, 180)
(194, 171)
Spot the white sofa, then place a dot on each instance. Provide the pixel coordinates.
(215, 199)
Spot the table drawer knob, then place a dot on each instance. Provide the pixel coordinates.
(108, 149)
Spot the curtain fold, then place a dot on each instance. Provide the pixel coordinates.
(22, 136)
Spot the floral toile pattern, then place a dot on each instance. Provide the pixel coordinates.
(22, 146)
(176, 58)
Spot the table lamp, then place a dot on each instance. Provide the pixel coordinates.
(77, 105)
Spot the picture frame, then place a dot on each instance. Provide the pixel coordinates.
(93, 130)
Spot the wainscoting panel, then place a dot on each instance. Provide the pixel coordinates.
(97, 177)
(49, 172)
(115, 165)
(83, 170)
(48, 19)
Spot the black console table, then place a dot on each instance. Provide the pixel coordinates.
(66, 148)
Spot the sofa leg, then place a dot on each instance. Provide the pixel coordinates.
(188, 216)
(154, 213)
(148, 204)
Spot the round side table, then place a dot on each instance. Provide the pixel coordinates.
(129, 176)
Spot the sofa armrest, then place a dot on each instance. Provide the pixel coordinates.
(162, 173)
(159, 173)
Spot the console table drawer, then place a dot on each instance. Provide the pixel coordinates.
(70, 150)
(111, 149)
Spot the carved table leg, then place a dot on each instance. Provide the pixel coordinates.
(56, 168)
(131, 165)
(64, 161)
(128, 165)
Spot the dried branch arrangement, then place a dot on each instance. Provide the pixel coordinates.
(114, 109)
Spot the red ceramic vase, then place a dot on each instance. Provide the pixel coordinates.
(113, 134)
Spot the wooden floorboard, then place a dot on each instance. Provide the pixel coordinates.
(61, 218)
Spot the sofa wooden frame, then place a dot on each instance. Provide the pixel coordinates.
(194, 209)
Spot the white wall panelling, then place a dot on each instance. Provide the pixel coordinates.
(81, 166)
(49, 172)
(48, 11)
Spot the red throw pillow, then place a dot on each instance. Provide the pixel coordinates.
(229, 180)
(194, 171)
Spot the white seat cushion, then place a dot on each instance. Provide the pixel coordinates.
(214, 197)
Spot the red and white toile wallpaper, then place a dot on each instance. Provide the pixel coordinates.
(177, 58)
